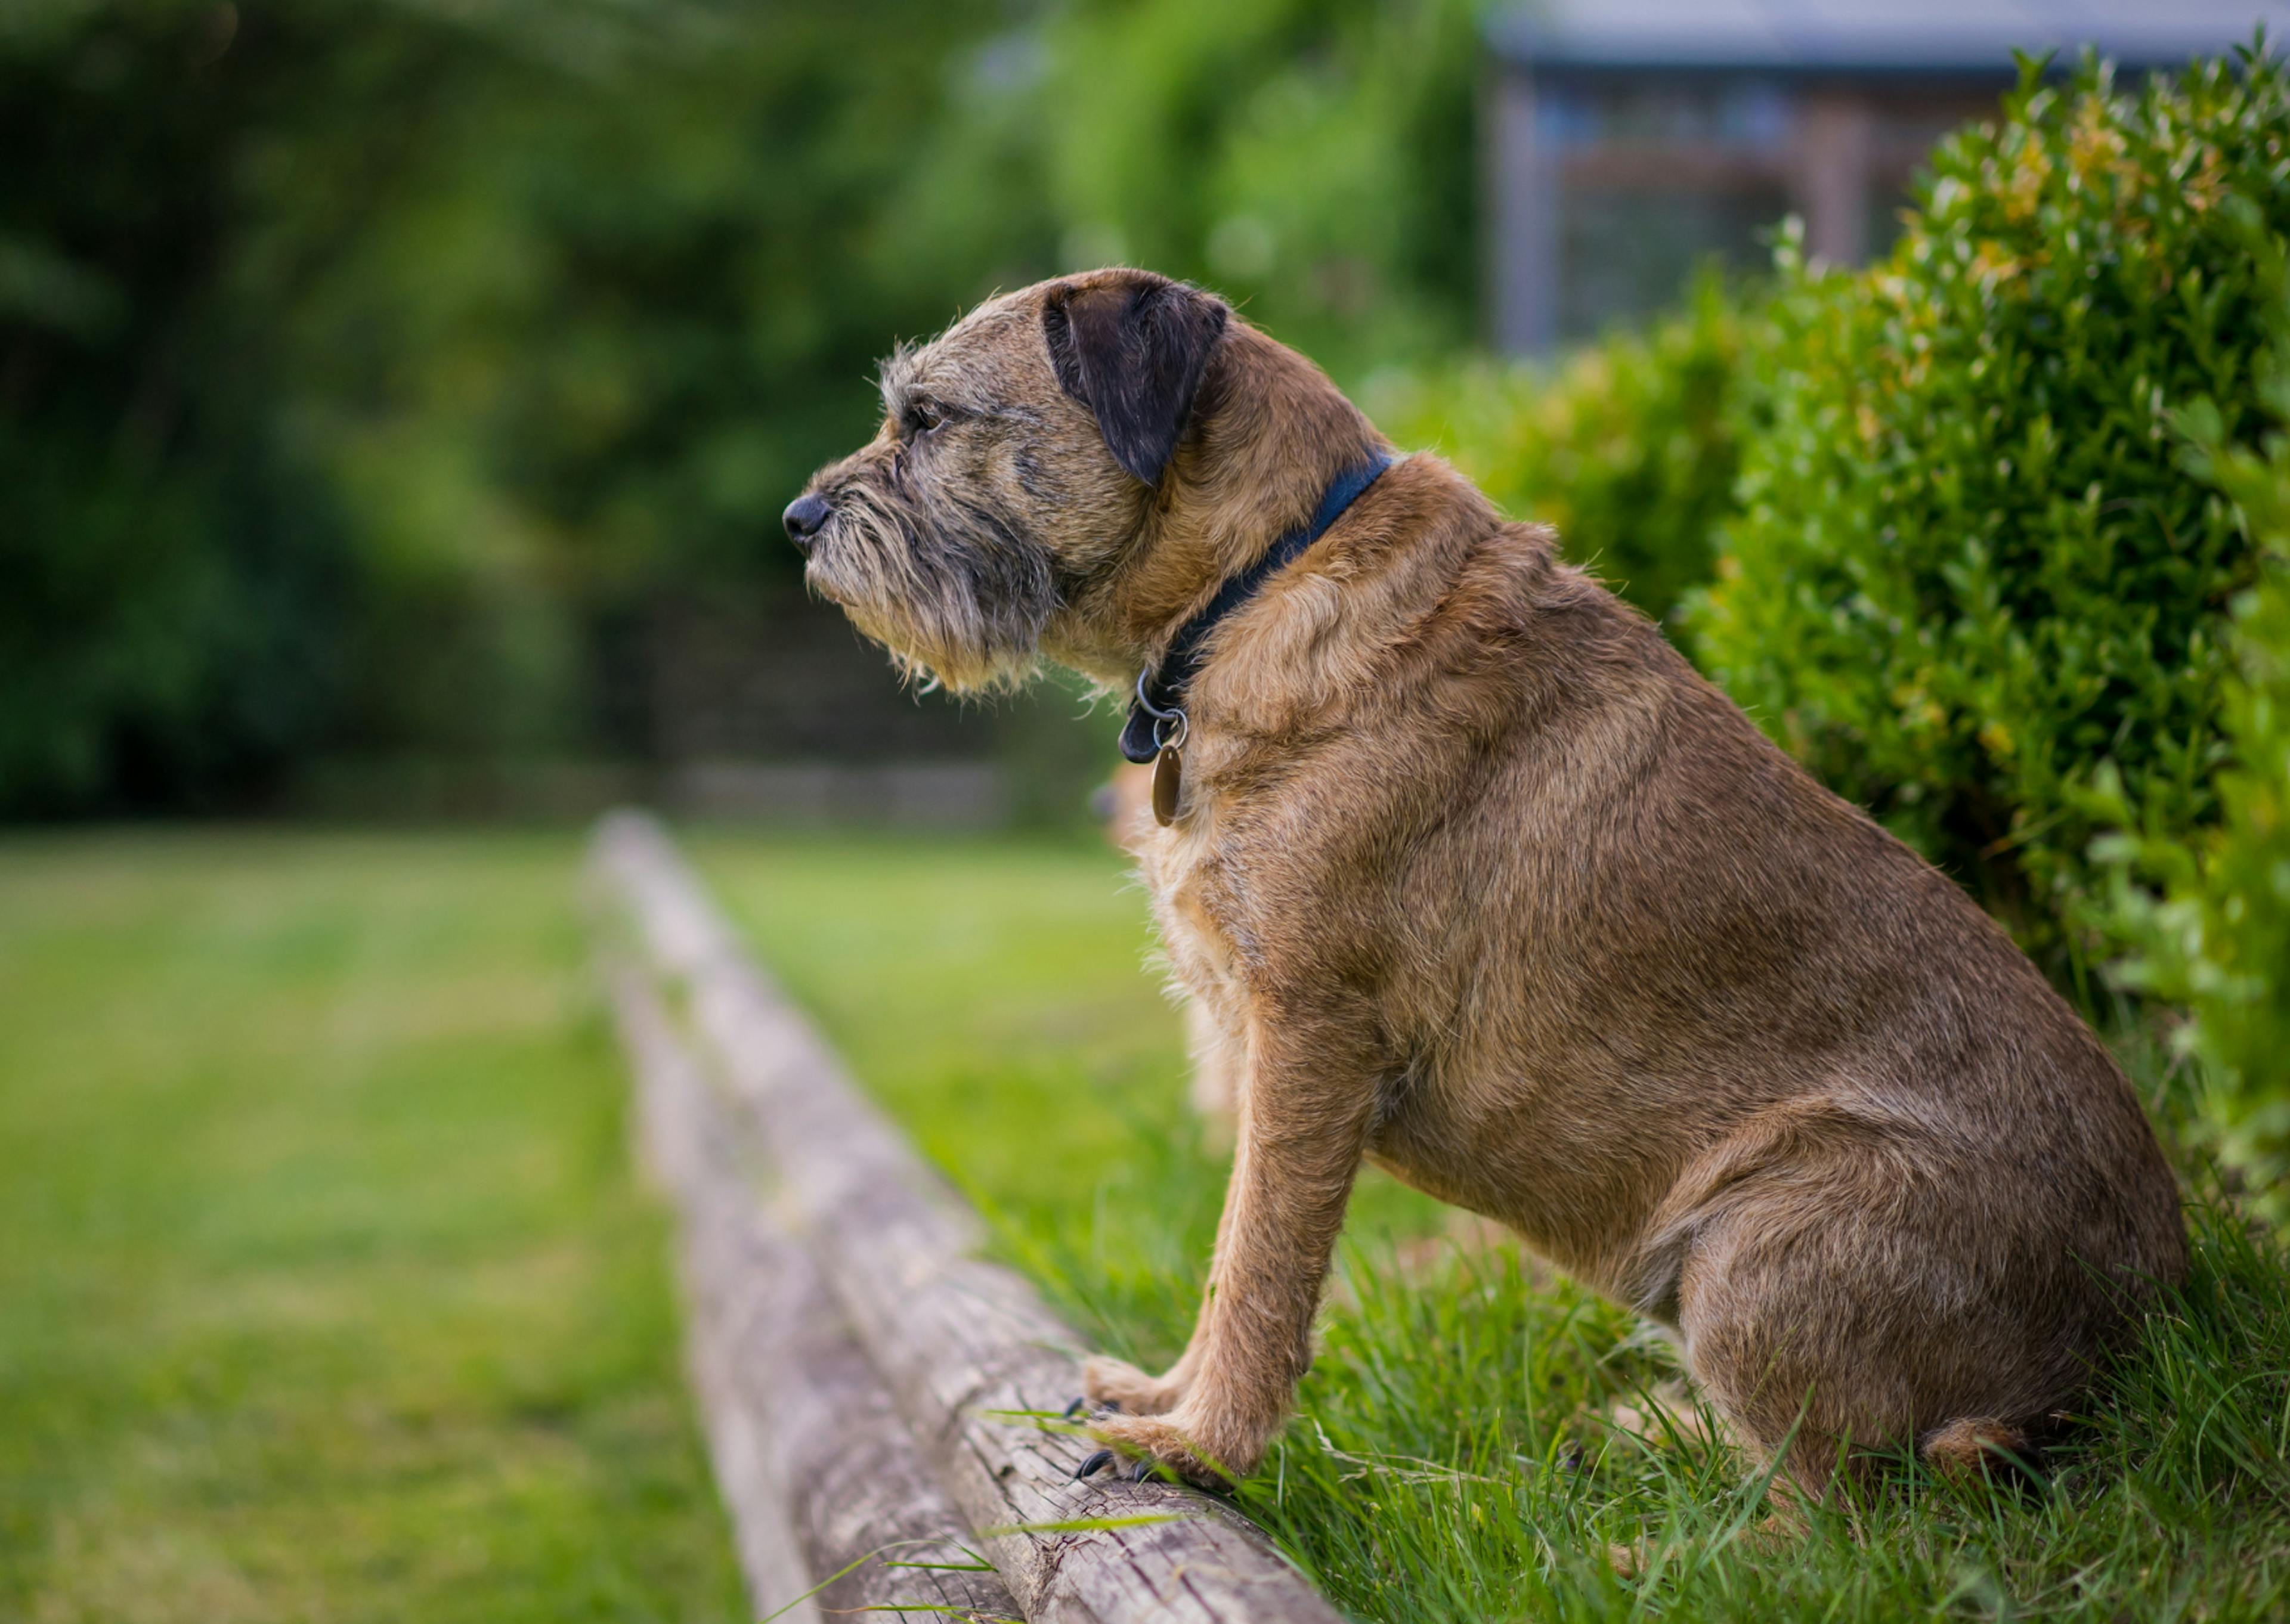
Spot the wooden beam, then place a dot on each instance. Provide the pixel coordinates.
(971, 1356)
(815, 1465)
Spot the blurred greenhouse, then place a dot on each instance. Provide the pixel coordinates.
(1630, 141)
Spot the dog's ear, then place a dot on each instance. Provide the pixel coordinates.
(1133, 349)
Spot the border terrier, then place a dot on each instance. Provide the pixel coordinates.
(1478, 880)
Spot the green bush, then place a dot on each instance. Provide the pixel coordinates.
(1315, 160)
(2209, 915)
(1629, 446)
(1968, 566)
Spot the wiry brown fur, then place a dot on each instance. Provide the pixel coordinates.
(1125, 804)
(1478, 881)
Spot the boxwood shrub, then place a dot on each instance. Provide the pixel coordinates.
(1967, 566)
(2209, 914)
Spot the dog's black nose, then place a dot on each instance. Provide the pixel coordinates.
(804, 517)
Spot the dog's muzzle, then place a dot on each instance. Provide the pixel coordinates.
(804, 518)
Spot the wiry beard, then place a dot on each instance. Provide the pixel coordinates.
(957, 600)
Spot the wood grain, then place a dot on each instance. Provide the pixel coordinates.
(815, 1464)
(971, 1357)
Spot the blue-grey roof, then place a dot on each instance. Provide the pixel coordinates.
(1871, 35)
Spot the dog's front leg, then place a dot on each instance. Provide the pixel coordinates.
(1303, 1127)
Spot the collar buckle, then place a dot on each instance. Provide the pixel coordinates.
(1157, 718)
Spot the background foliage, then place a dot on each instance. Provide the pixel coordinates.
(368, 371)
(358, 362)
(2208, 912)
(1968, 566)
(1314, 162)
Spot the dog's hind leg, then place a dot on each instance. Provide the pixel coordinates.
(1840, 1304)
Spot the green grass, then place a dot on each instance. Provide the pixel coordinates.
(324, 1293)
(1451, 1459)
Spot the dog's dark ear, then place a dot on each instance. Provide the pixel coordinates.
(1133, 349)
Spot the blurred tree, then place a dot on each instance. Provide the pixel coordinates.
(168, 583)
(1314, 161)
(372, 370)
(357, 358)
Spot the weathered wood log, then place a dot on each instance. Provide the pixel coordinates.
(822, 1477)
(971, 1355)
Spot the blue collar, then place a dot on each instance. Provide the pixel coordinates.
(1156, 714)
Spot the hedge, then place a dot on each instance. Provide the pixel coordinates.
(2209, 914)
(1968, 566)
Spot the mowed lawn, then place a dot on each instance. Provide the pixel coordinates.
(325, 1292)
(1456, 1455)
(1004, 1000)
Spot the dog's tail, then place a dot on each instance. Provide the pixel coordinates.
(1975, 1443)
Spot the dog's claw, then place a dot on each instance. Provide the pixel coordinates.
(1092, 1464)
(1075, 1409)
(1142, 1471)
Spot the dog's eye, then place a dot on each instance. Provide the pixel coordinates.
(923, 416)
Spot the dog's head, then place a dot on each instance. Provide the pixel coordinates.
(1021, 455)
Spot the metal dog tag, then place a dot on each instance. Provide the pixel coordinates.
(1168, 775)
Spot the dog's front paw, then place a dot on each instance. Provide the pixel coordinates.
(1143, 1442)
(1112, 1384)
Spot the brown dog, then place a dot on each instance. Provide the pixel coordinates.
(1479, 880)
